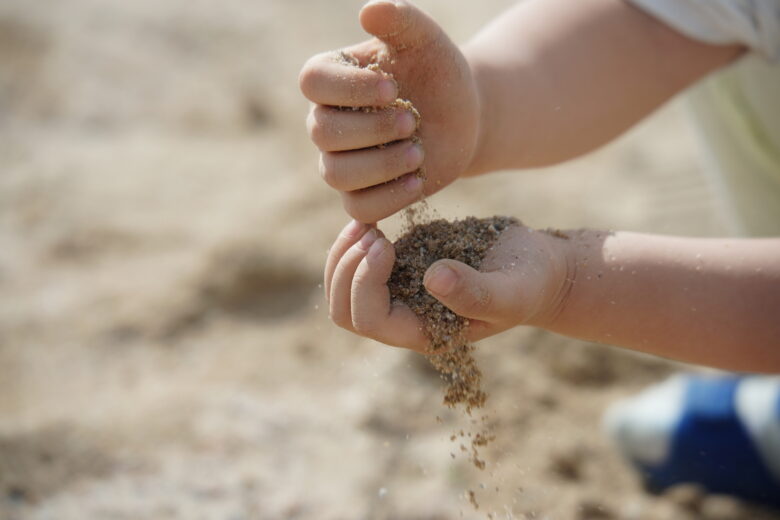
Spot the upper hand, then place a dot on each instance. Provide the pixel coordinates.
(428, 69)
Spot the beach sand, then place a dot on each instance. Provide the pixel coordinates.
(165, 350)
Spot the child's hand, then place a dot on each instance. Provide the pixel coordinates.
(524, 280)
(427, 69)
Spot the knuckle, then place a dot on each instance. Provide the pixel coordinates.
(311, 123)
(353, 207)
(329, 170)
(340, 319)
(325, 170)
(317, 127)
(308, 78)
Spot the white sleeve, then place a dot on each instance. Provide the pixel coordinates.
(753, 23)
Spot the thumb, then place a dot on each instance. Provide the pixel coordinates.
(398, 23)
(482, 296)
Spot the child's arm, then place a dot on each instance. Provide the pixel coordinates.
(559, 78)
(547, 81)
(707, 301)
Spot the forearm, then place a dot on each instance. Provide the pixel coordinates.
(707, 301)
(559, 78)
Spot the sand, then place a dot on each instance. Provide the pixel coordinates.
(424, 242)
(165, 350)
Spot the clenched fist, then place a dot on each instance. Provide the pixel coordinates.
(371, 146)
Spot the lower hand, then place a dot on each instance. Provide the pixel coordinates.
(523, 280)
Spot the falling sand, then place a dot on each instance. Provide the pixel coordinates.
(450, 352)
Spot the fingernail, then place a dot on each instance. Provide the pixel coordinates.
(368, 239)
(405, 123)
(412, 183)
(388, 91)
(414, 156)
(376, 249)
(352, 229)
(441, 280)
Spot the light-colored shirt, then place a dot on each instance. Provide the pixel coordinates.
(737, 110)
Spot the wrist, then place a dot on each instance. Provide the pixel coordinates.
(560, 277)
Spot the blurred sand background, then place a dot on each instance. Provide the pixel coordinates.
(164, 348)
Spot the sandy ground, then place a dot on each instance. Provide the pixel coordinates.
(164, 348)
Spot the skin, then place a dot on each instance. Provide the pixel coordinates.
(377, 182)
(543, 83)
(522, 277)
(702, 300)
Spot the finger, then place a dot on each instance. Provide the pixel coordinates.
(483, 296)
(349, 171)
(399, 24)
(327, 80)
(374, 204)
(351, 233)
(373, 313)
(336, 130)
(341, 285)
